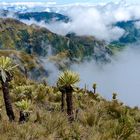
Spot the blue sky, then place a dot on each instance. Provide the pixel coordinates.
(70, 1)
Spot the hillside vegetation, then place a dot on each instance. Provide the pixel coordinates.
(34, 42)
(42, 16)
(37, 111)
(93, 117)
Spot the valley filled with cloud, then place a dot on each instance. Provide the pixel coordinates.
(121, 75)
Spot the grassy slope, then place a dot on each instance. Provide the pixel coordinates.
(97, 119)
(30, 62)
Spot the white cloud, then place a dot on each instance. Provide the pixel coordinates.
(28, 4)
(96, 20)
(87, 19)
(137, 24)
(120, 76)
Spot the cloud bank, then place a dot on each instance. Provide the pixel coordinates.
(85, 19)
(120, 76)
(96, 20)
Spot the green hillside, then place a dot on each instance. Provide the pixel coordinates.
(36, 40)
(39, 42)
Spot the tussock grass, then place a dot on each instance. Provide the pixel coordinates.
(94, 117)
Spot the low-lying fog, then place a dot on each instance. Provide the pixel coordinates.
(121, 76)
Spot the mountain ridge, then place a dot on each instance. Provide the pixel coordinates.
(37, 41)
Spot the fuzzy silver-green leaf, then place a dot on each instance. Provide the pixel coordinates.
(68, 78)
